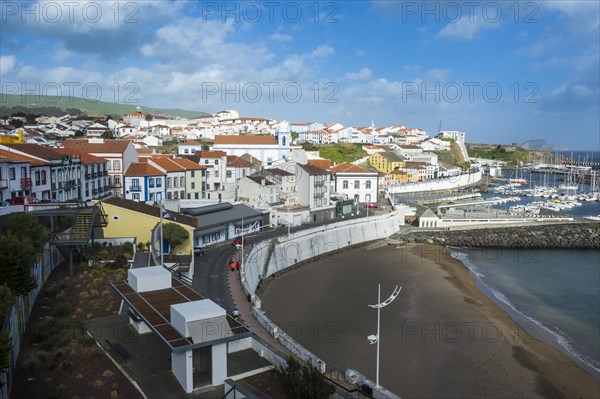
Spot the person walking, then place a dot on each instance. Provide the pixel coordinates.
(237, 265)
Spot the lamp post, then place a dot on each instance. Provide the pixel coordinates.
(375, 339)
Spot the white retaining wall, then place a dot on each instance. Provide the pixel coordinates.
(445, 183)
(312, 243)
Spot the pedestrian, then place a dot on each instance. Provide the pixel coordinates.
(237, 265)
(232, 266)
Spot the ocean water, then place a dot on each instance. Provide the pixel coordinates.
(556, 290)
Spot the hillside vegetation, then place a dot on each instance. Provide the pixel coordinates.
(508, 153)
(88, 106)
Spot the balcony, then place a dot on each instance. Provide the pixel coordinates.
(25, 182)
(94, 175)
(318, 195)
(320, 183)
(135, 188)
(88, 176)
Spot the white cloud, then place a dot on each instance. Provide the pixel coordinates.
(364, 73)
(466, 28)
(7, 63)
(279, 37)
(322, 51)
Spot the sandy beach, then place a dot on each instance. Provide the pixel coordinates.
(441, 338)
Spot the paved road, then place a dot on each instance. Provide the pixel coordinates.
(211, 268)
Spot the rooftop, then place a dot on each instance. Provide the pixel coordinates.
(136, 169)
(149, 210)
(246, 140)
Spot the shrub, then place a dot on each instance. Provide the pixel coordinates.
(62, 309)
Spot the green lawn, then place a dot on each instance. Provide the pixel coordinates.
(338, 153)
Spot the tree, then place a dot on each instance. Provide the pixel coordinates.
(107, 135)
(174, 234)
(305, 381)
(27, 226)
(16, 254)
(5, 348)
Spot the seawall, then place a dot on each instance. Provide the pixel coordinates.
(573, 235)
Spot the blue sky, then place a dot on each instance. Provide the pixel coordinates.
(502, 71)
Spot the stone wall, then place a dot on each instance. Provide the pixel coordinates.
(574, 235)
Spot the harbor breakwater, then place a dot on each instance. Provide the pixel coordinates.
(573, 235)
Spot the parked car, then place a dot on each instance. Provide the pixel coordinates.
(5, 203)
(238, 241)
(371, 205)
(49, 201)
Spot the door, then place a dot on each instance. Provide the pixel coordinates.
(202, 366)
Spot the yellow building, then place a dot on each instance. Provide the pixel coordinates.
(386, 161)
(128, 218)
(12, 139)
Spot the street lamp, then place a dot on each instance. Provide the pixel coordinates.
(375, 339)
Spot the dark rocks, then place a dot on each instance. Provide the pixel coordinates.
(575, 235)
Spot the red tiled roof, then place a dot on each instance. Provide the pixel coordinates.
(35, 150)
(167, 164)
(237, 162)
(212, 154)
(84, 156)
(142, 169)
(320, 163)
(349, 168)
(187, 164)
(109, 146)
(12, 156)
(247, 140)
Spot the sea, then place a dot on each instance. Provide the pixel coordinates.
(552, 292)
(557, 291)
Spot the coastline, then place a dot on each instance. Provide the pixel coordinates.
(535, 328)
(489, 355)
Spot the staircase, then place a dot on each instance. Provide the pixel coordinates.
(83, 224)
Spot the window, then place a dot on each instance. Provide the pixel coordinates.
(216, 173)
(193, 185)
(368, 184)
(44, 181)
(169, 182)
(193, 174)
(37, 178)
(216, 161)
(117, 165)
(175, 182)
(135, 183)
(228, 174)
(181, 181)
(345, 184)
(108, 165)
(118, 181)
(356, 184)
(206, 162)
(158, 182)
(195, 195)
(151, 182)
(182, 194)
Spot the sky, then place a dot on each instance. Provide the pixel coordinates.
(501, 71)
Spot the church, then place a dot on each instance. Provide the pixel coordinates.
(265, 148)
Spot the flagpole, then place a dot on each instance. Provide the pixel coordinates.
(162, 263)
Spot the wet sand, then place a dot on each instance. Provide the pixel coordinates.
(441, 337)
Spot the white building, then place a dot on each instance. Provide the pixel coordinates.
(265, 148)
(355, 182)
(452, 134)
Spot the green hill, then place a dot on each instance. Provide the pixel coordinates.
(89, 107)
